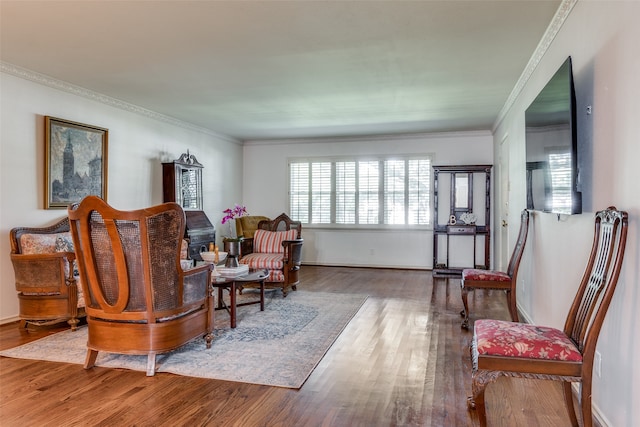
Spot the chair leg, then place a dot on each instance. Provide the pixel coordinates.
(479, 381)
(513, 308)
(90, 360)
(73, 322)
(151, 364)
(568, 400)
(476, 401)
(465, 311)
(208, 339)
(585, 401)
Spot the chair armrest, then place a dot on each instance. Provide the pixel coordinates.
(293, 251)
(196, 284)
(43, 273)
(246, 246)
(197, 269)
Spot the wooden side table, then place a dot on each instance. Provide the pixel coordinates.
(230, 283)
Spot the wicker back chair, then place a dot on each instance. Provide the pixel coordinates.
(44, 277)
(138, 299)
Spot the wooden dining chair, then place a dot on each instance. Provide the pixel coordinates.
(530, 351)
(492, 279)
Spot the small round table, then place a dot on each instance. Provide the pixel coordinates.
(229, 283)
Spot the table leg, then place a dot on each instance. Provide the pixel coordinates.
(232, 297)
(262, 295)
(220, 295)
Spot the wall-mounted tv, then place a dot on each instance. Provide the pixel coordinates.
(551, 145)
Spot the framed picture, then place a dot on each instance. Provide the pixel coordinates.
(75, 162)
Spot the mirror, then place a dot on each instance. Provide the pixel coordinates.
(461, 190)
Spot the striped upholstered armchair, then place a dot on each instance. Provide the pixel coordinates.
(277, 246)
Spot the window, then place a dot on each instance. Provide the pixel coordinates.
(559, 161)
(369, 192)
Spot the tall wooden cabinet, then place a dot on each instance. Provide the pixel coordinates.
(462, 218)
(182, 183)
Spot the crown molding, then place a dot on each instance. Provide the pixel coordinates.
(51, 82)
(552, 30)
(371, 138)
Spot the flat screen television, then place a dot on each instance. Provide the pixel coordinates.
(552, 148)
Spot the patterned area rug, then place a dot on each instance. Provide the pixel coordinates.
(278, 347)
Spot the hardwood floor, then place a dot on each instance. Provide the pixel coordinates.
(402, 361)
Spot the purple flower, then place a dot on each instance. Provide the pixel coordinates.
(230, 214)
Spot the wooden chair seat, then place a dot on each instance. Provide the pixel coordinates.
(501, 348)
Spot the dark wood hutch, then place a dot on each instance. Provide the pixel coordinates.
(462, 217)
(182, 183)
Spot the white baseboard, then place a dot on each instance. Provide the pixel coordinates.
(9, 320)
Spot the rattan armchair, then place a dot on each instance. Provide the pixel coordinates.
(44, 277)
(138, 298)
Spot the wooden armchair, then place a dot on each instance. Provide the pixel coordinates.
(43, 261)
(492, 279)
(138, 298)
(539, 352)
(276, 246)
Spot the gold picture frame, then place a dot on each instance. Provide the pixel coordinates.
(75, 162)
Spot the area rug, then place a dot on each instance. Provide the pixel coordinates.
(277, 347)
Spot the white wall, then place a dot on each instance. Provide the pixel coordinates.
(137, 146)
(265, 193)
(602, 39)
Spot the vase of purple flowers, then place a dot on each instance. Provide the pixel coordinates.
(232, 243)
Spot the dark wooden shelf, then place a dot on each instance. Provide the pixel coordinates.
(458, 201)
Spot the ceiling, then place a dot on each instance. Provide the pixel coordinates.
(287, 69)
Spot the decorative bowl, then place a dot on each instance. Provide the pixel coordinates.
(469, 218)
(211, 256)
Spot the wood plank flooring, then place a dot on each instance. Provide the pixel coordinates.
(402, 361)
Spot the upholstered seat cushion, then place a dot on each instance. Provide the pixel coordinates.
(272, 262)
(489, 275)
(522, 340)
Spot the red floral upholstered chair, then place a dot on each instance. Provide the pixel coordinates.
(539, 352)
(277, 246)
(492, 279)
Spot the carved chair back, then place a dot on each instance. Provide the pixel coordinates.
(599, 281)
(281, 223)
(518, 250)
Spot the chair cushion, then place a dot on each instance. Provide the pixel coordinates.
(270, 242)
(261, 260)
(488, 275)
(272, 262)
(41, 243)
(522, 340)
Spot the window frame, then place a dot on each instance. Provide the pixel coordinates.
(382, 194)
